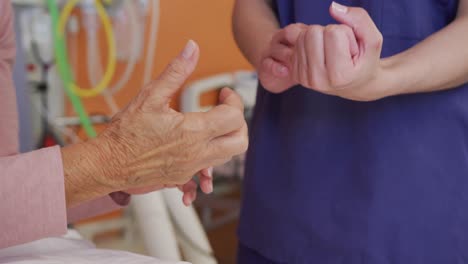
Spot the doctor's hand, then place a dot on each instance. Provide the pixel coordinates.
(342, 60)
(148, 144)
(272, 71)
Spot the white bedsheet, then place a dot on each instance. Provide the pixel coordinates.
(71, 249)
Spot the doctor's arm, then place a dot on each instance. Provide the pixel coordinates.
(257, 32)
(254, 24)
(437, 63)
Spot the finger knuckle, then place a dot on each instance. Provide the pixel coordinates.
(176, 70)
(290, 27)
(210, 129)
(361, 17)
(332, 29)
(146, 91)
(334, 32)
(192, 123)
(228, 112)
(361, 12)
(346, 29)
(378, 41)
(314, 30)
(233, 114)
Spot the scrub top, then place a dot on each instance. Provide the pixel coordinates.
(334, 181)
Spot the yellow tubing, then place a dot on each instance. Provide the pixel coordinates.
(111, 56)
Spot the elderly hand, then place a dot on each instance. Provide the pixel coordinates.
(342, 60)
(189, 189)
(148, 144)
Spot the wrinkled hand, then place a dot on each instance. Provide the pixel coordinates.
(154, 146)
(341, 60)
(189, 189)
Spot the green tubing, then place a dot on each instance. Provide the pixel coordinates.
(65, 73)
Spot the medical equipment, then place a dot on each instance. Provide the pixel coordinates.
(151, 48)
(22, 94)
(243, 82)
(64, 70)
(35, 38)
(28, 2)
(111, 57)
(92, 8)
(93, 54)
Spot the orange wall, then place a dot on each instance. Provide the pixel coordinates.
(208, 22)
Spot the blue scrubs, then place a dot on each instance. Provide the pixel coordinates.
(333, 181)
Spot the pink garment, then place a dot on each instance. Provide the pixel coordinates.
(32, 193)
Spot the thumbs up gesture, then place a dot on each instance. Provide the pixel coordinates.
(342, 59)
(148, 145)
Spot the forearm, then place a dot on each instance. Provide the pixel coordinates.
(85, 167)
(437, 63)
(254, 24)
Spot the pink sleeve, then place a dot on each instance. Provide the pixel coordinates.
(32, 197)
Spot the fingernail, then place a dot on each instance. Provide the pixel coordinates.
(189, 49)
(282, 70)
(339, 8)
(210, 187)
(210, 172)
(186, 200)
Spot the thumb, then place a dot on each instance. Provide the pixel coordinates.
(175, 74)
(358, 19)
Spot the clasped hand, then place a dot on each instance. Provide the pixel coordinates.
(341, 60)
